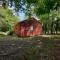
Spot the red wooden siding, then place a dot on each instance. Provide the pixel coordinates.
(30, 27)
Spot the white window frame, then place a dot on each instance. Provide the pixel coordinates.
(31, 28)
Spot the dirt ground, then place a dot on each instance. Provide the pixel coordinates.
(31, 48)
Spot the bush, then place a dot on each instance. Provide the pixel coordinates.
(7, 20)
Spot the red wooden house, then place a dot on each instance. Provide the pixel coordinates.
(29, 27)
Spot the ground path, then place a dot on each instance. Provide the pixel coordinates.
(32, 48)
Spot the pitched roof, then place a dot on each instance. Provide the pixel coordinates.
(30, 20)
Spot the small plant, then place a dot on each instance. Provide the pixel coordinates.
(7, 20)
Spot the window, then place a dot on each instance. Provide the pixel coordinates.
(31, 28)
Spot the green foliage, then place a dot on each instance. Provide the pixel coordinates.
(47, 10)
(45, 6)
(7, 20)
(41, 6)
(51, 20)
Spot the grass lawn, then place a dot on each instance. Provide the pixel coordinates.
(32, 48)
